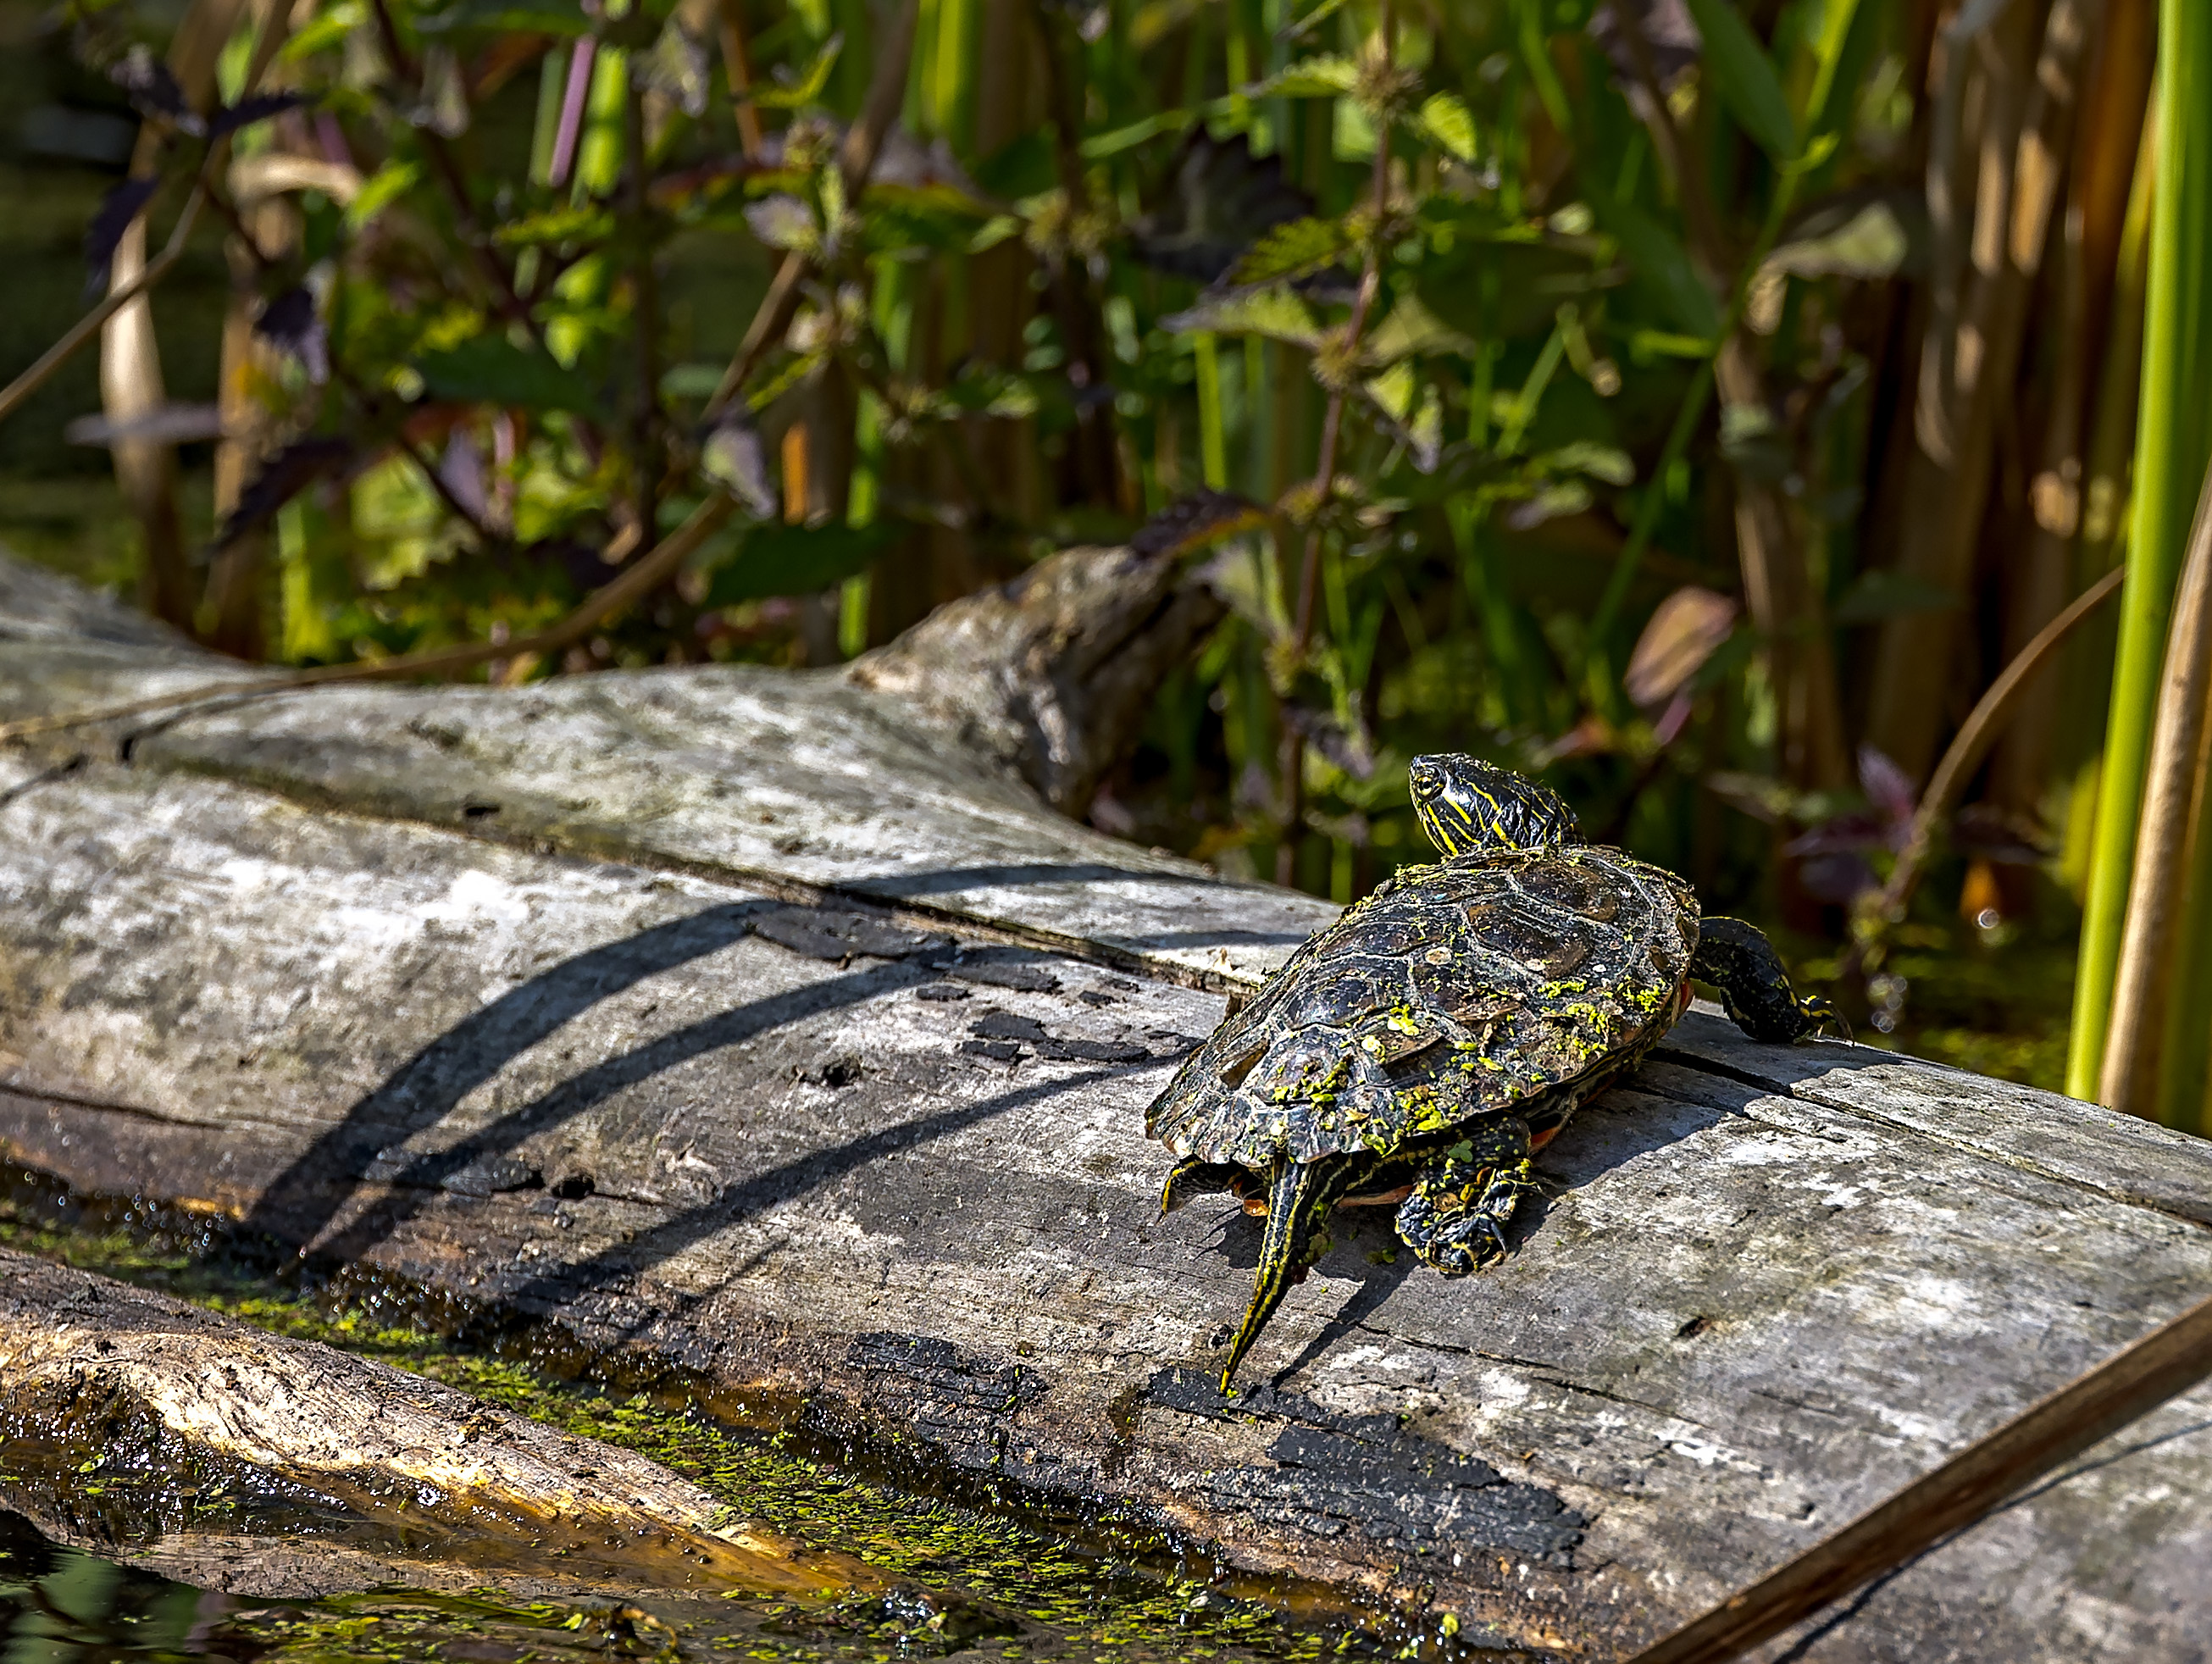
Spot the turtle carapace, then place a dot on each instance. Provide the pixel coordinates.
(1421, 1047)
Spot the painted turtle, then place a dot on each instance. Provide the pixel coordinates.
(1420, 1048)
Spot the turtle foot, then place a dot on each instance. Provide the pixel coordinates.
(1456, 1219)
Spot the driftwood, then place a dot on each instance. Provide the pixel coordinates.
(771, 1029)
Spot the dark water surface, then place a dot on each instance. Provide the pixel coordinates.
(61, 1606)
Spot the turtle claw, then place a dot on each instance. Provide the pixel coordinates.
(1819, 1011)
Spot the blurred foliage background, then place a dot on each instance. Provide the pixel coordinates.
(1695, 402)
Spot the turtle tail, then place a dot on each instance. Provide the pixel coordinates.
(1299, 1197)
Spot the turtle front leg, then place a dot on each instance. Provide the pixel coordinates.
(1454, 1219)
(1193, 1177)
(1754, 989)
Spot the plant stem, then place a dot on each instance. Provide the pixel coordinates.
(864, 142)
(86, 328)
(2143, 981)
(1692, 409)
(1292, 763)
(2174, 432)
(1968, 747)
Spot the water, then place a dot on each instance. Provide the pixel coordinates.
(61, 1606)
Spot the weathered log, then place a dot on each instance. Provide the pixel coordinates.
(756, 1026)
(383, 1467)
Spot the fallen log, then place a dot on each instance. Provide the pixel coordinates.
(771, 1029)
(127, 1415)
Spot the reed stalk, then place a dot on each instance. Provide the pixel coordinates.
(2174, 435)
(2149, 945)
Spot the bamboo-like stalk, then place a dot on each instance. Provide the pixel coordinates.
(2174, 426)
(1969, 364)
(1212, 440)
(2103, 541)
(2143, 982)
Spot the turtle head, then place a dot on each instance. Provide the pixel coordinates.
(1470, 807)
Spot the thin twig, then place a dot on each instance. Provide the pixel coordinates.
(636, 580)
(737, 61)
(1972, 743)
(87, 329)
(2165, 1363)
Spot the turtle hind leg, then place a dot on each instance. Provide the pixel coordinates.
(1754, 989)
(1455, 1219)
(1299, 1198)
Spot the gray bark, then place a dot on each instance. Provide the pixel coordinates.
(764, 1027)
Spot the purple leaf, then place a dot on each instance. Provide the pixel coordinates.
(734, 457)
(117, 209)
(462, 470)
(1887, 787)
(1844, 834)
(153, 91)
(289, 323)
(283, 477)
(1837, 878)
(1999, 834)
(248, 111)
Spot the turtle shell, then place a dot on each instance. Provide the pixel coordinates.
(1459, 989)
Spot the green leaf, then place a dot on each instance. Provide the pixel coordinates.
(1872, 243)
(1658, 257)
(1413, 328)
(790, 95)
(1292, 249)
(1743, 76)
(1274, 312)
(1446, 122)
(489, 369)
(1329, 75)
(1882, 593)
(383, 188)
(555, 225)
(326, 32)
(1532, 279)
(1112, 142)
(1022, 167)
(798, 560)
(1582, 456)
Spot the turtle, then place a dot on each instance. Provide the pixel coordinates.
(1423, 1046)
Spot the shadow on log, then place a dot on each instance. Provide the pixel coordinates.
(771, 1029)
